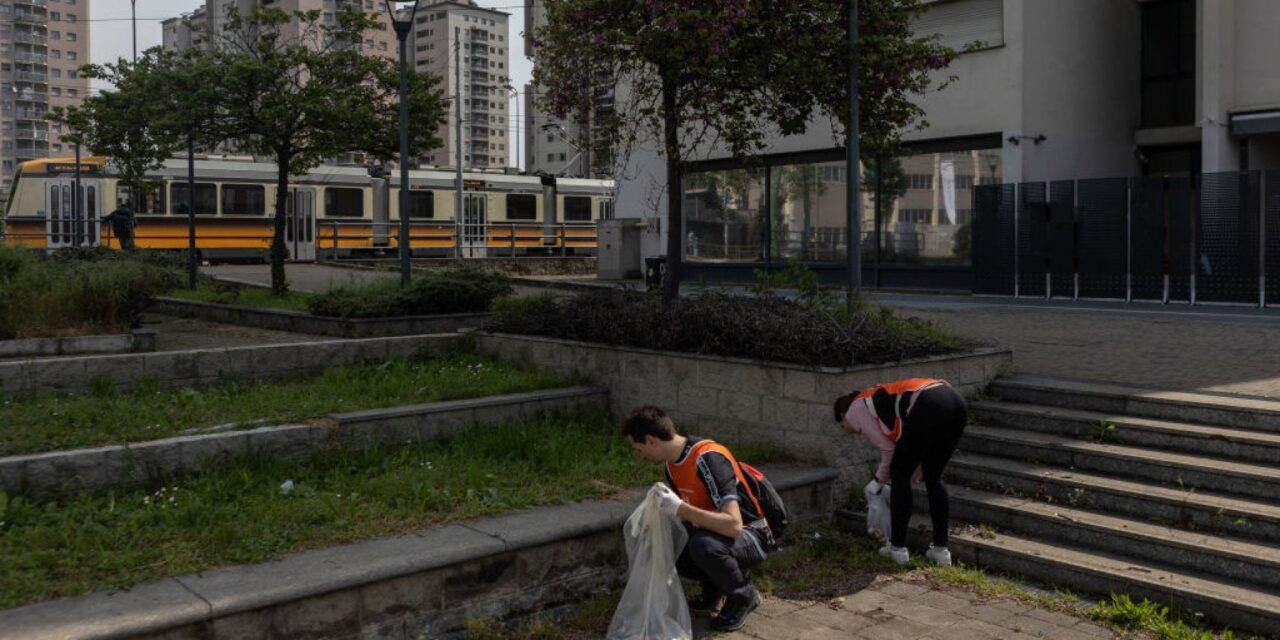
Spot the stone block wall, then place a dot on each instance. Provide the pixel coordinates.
(739, 401)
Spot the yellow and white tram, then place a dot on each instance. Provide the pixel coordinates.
(331, 212)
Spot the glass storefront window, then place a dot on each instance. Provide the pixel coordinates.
(808, 212)
(724, 216)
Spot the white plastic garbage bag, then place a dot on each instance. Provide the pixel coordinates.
(653, 605)
(879, 520)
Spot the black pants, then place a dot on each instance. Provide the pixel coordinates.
(719, 562)
(929, 437)
(126, 241)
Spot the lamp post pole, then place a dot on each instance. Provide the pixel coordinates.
(134, 8)
(853, 213)
(402, 28)
(518, 123)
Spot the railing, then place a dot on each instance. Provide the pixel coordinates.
(27, 17)
(31, 135)
(30, 114)
(32, 3)
(32, 96)
(35, 58)
(502, 239)
(30, 38)
(28, 76)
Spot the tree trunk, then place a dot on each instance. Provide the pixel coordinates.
(675, 193)
(279, 285)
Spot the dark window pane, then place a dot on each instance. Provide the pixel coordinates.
(243, 200)
(344, 203)
(522, 206)
(577, 209)
(422, 204)
(206, 200)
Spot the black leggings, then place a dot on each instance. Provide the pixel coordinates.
(930, 434)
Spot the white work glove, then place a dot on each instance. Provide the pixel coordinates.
(873, 488)
(666, 499)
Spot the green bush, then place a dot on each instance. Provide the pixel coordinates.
(59, 294)
(436, 292)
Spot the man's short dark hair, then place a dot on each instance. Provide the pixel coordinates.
(842, 405)
(649, 421)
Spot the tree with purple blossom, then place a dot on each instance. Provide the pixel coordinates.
(691, 74)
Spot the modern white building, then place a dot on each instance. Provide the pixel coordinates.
(1054, 90)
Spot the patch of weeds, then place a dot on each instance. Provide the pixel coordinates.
(1158, 620)
(821, 563)
(1075, 497)
(1104, 432)
(588, 620)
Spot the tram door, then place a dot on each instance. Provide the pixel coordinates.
(474, 235)
(65, 225)
(300, 224)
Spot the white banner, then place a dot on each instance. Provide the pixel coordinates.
(948, 171)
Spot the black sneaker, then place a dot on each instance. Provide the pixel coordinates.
(707, 600)
(734, 614)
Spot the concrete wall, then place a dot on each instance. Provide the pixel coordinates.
(299, 322)
(1257, 76)
(739, 401)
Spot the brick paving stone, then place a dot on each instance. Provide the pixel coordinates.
(774, 607)
(945, 601)
(1057, 617)
(866, 601)
(837, 619)
(900, 589)
(1036, 627)
(902, 629)
(988, 612)
(1092, 630)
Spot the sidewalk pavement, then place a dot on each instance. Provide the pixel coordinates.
(903, 608)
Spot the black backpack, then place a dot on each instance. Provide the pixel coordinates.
(775, 512)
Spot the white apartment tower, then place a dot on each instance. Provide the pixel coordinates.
(43, 44)
(446, 35)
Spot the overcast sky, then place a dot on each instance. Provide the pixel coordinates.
(111, 36)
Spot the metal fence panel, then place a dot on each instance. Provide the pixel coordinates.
(1147, 237)
(1180, 198)
(1273, 237)
(993, 239)
(1103, 237)
(1033, 238)
(1062, 238)
(1227, 237)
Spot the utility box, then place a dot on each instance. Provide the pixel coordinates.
(618, 249)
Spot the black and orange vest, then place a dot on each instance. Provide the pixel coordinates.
(691, 488)
(900, 390)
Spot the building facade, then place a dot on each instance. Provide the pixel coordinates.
(449, 35)
(1042, 91)
(43, 44)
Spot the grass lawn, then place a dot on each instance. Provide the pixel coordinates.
(53, 422)
(210, 291)
(59, 548)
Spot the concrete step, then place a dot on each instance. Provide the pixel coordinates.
(1240, 561)
(1189, 510)
(1185, 472)
(1231, 443)
(1224, 602)
(1185, 406)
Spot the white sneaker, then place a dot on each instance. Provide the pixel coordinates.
(940, 556)
(897, 554)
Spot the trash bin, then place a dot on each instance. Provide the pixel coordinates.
(655, 268)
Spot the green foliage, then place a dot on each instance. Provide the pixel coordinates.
(54, 295)
(50, 422)
(800, 278)
(208, 290)
(461, 290)
(1157, 620)
(81, 543)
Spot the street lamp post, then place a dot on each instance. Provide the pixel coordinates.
(402, 28)
(134, 6)
(853, 213)
(518, 123)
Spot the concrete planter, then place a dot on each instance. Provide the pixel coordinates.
(300, 322)
(136, 340)
(735, 400)
(207, 366)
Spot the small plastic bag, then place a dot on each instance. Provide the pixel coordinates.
(652, 605)
(879, 518)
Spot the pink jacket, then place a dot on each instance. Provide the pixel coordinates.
(867, 424)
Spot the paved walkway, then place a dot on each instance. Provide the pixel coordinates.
(896, 608)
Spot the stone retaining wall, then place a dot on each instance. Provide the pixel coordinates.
(736, 400)
(421, 585)
(206, 366)
(123, 466)
(300, 322)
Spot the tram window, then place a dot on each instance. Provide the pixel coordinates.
(151, 201)
(606, 209)
(243, 200)
(522, 206)
(344, 203)
(422, 204)
(577, 209)
(206, 200)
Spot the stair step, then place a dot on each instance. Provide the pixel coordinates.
(1190, 510)
(1207, 408)
(1183, 471)
(1223, 601)
(1228, 558)
(1236, 444)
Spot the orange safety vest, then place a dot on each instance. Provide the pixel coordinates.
(896, 389)
(691, 488)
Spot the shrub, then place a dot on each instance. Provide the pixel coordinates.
(62, 294)
(764, 328)
(462, 290)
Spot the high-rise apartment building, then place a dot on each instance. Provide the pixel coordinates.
(186, 31)
(482, 42)
(43, 44)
